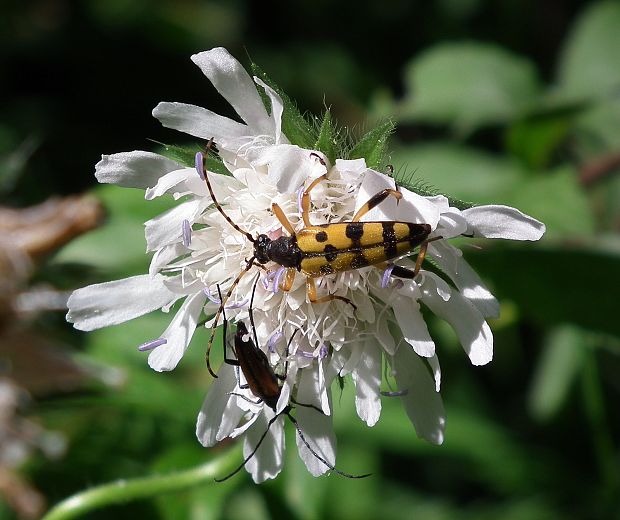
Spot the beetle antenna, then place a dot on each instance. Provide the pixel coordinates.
(201, 167)
(260, 441)
(319, 457)
(219, 312)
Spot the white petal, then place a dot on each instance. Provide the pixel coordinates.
(413, 326)
(288, 165)
(179, 333)
(473, 331)
(198, 121)
(164, 256)
(422, 403)
(373, 183)
(316, 428)
(434, 364)
(212, 411)
(367, 379)
(115, 302)
(135, 169)
(451, 224)
(167, 227)
(169, 181)
(233, 82)
(277, 108)
(502, 222)
(268, 459)
(451, 262)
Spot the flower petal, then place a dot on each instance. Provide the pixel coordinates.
(198, 121)
(169, 181)
(115, 302)
(316, 427)
(268, 459)
(277, 108)
(135, 169)
(367, 379)
(167, 227)
(451, 262)
(213, 409)
(494, 221)
(422, 403)
(179, 333)
(413, 326)
(236, 86)
(473, 331)
(288, 165)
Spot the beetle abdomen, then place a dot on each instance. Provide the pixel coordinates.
(333, 248)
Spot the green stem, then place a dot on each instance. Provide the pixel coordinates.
(139, 488)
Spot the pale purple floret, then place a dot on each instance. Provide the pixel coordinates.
(323, 351)
(273, 340)
(199, 162)
(187, 233)
(386, 276)
(154, 343)
(277, 278)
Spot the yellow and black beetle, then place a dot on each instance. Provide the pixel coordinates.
(319, 250)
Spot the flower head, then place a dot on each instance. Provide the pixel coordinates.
(196, 250)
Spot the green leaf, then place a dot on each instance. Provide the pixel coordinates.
(186, 154)
(557, 285)
(569, 211)
(535, 139)
(467, 85)
(294, 124)
(589, 61)
(463, 172)
(326, 141)
(556, 370)
(372, 146)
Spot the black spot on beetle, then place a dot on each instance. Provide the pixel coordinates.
(355, 230)
(331, 252)
(321, 236)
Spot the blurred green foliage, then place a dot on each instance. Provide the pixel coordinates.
(512, 103)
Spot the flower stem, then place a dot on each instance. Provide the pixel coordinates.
(140, 488)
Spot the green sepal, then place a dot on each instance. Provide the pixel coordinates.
(186, 154)
(294, 125)
(422, 188)
(326, 141)
(372, 146)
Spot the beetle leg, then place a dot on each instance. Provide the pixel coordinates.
(288, 280)
(286, 223)
(305, 200)
(376, 199)
(311, 291)
(404, 272)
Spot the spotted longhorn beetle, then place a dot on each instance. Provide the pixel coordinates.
(323, 249)
(262, 381)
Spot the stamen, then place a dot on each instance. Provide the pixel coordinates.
(150, 345)
(199, 163)
(187, 233)
(267, 279)
(217, 301)
(396, 393)
(386, 276)
(277, 278)
(323, 351)
(271, 344)
(238, 304)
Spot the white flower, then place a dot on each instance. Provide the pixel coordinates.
(195, 250)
